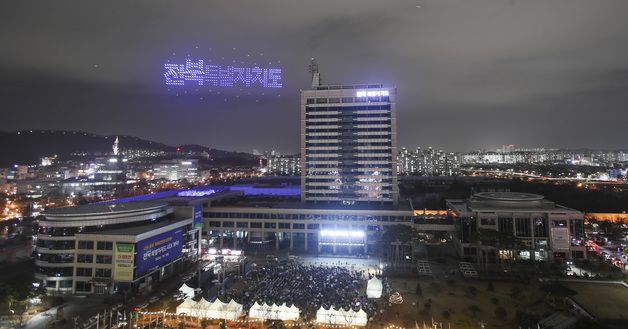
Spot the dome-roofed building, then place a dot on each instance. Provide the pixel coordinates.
(543, 229)
(126, 244)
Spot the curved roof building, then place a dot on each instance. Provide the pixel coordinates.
(100, 248)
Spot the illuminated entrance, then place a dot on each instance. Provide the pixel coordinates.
(342, 241)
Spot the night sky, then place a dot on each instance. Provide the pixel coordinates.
(470, 73)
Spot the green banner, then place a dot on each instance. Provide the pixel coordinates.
(124, 262)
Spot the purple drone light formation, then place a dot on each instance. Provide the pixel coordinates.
(221, 76)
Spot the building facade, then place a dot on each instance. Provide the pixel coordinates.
(543, 229)
(106, 248)
(177, 169)
(346, 231)
(349, 144)
(283, 164)
(428, 162)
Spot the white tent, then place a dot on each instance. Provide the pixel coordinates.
(257, 311)
(275, 309)
(186, 290)
(215, 309)
(341, 317)
(374, 288)
(202, 308)
(288, 313)
(233, 310)
(188, 307)
(361, 318)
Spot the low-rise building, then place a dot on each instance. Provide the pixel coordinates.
(511, 225)
(305, 227)
(106, 248)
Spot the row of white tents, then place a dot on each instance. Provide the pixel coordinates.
(341, 317)
(274, 312)
(215, 310)
(233, 310)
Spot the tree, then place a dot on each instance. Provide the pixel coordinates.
(526, 320)
(39, 291)
(395, 237)
(10, 299)
(474, 309)
(515, 292)
(419, 291)
(165, 304)
(586, 323)
(500, 313)
(556, 290)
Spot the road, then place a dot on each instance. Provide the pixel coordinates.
(71, 308)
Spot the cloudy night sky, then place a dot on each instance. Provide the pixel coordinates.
(470, 74)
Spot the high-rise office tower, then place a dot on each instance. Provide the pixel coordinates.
(348, 143)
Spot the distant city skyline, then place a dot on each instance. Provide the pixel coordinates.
(469, 75)
(410, 146)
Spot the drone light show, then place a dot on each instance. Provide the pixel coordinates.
(200, 74)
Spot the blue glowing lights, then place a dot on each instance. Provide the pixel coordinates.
(196, 193)
(221, 76)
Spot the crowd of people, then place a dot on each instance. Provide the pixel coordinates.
(307, 286)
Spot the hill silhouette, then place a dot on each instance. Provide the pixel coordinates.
(27, 147)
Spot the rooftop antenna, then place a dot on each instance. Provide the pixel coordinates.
(316, 77)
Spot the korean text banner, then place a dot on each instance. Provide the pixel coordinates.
(158, 250)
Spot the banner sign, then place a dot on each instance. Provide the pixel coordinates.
(124, 262)
(560, 238)
(158, 250)
(198, 216)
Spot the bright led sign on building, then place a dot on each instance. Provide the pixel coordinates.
(221, 76)
(371, 93)
(157, 251)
